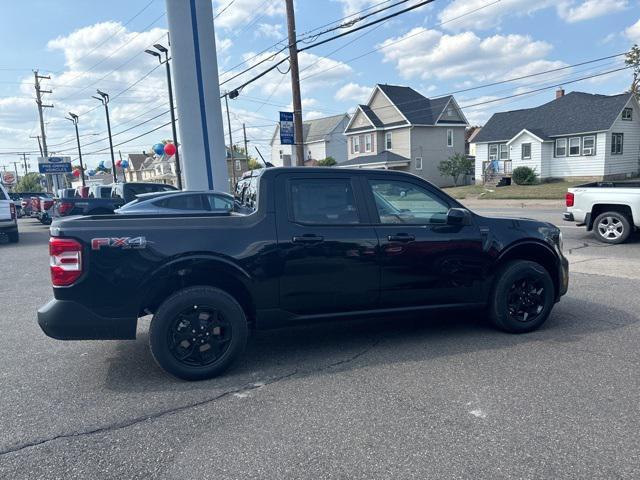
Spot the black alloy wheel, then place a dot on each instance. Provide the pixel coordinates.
(526, 298)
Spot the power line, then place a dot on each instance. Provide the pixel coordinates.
(224, 9)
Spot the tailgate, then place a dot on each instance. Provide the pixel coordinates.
(5, 210)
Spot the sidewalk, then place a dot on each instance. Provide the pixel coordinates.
(523, 204)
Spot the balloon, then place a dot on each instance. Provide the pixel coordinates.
(118, 163)
(106, 164)
(170, 149)
(76, 173)
(125, 163)
(91, 173)
(158, 148)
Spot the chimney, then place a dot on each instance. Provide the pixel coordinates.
(559, 92)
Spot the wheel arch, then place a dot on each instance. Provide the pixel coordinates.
(193, 270)
(535, 251)
(600, 208)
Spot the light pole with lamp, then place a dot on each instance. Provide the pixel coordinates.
(164, 50)
(74, 119)
(104, 98)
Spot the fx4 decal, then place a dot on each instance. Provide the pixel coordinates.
(122, 242)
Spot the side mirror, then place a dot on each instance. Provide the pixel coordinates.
(458, 216)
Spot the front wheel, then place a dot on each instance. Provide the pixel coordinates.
(198, 332)
(522, 297)
(612, 227)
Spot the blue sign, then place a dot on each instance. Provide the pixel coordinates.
(55, 159)
(286, 128)
(63, 167)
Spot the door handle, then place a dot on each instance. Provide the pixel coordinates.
(307, 239)
(401, 237)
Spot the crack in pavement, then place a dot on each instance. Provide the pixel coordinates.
(135, 421)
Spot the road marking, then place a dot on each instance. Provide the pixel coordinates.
(478, 413)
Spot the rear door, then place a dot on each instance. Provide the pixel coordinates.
(424, 261)
(326, 245)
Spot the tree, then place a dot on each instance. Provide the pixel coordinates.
(327, 162)
(456, 165)
(29, 183)
(253, 164)
(632, 59)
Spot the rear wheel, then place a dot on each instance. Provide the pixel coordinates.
(198, 332)
(522, 297)
(612, 227)
(14, 237)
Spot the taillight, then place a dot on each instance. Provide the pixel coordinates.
(12, 208)
(65, 261)
(64, 207)
(569, 199)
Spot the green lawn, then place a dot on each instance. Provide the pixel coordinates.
(543, 191)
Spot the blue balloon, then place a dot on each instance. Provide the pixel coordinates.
(91, 173)
(124, 164)
(158, 148)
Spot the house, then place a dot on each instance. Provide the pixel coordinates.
(399, 128)
(237, 165)
(470, 134)
(323, 137)
(578, 136)
(134, 170)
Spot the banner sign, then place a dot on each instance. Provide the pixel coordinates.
(54, 165)
(286, 128)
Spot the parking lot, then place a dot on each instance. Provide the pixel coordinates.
(440, 397)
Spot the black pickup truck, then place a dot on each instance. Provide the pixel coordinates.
(121, 193)
(317, 243)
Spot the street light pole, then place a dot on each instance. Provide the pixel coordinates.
(171, 107)
(104, 98)
(74, 119)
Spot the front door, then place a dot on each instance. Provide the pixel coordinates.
(327, 250)
(424, 260)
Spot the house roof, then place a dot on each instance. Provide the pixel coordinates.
(382, 157)
(416, 108)
(136, 160)
(371, 116)
(575, 112)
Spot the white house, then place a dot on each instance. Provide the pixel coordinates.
(576, 136)
(323, 137)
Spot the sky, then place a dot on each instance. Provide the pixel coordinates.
(443, 47)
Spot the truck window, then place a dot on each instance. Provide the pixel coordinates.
(246, 193)
(323, 201)
(182, 202)
(404, 202)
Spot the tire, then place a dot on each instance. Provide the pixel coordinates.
(14, 237)
(522, 297)
(218, 325)
(612, 227)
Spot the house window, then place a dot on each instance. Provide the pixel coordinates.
(449, 137)
(526, 151)
(387, 140)
(589, 145)
(504, 151)
(367, 142)
(356, 144)
(418, 163)
(493, 151)
(238, 165)
(450, 112)
(574, 146)
(627, 114)
(561, 147)
(617, 140)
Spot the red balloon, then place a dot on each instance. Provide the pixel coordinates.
(118, 163)
(76, 173)
(170, 149)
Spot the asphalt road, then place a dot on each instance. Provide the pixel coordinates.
(444, 397)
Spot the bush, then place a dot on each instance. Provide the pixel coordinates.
(327, 162)
(524, 176)
(455, 166)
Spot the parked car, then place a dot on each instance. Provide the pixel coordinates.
(66, 193)
(611, 210)
(17, 201)
(8, 216)
(100, 191)
(26, 202)
(316, 245)
(41, 203)
(121, 193)
(166, 203)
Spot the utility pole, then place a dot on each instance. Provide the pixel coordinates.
(104, 98)
(26, 166)
(246, 149)
(295, 84)
(15, 168)
(39, 144)
(74, 118)
(124, 175)
(233, 163)
(44, 150)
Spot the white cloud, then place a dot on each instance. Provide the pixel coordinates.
(350, 7)
(462, 15)
(633, 32)
(426, 54)
(269, 30)
(313, 114)
(243, 12)
(354, 93)
(589, 9)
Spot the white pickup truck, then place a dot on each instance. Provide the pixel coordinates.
(610, 209)
(8, 217)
